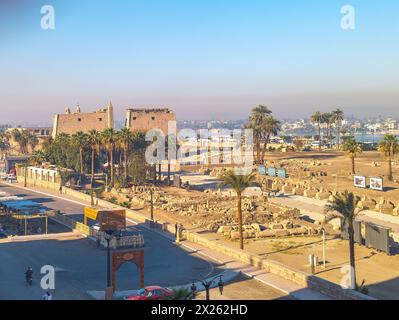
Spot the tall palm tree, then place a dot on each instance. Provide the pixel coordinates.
(269, 127)
(344, 206)
(389, 145)
(329, 121)
(94, 139)
(318, 118)
(353, 149)
(79, 139)
(110, 137)
(239, 183)
(338, 117)
(256, 119)
(22, 138)
(126, 137)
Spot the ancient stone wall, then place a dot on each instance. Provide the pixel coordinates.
(147, 119)
(71, 123)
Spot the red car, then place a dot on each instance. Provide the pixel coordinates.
(152, 293)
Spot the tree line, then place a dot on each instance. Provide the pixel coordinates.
(108, 151)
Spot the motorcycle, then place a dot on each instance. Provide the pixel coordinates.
(29, 278)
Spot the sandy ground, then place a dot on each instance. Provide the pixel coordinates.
(338, 170)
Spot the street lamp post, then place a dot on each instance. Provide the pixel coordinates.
(25, 174)
(152, 204)
(108, 238)
(207, 285)
(324, 247)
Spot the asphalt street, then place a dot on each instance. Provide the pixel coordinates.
(80, 266)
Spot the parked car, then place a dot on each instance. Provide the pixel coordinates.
(3, 235)
(11, 178)
(152, 293)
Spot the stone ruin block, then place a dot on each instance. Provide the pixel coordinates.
(299, 231)
(323, 195)
(299, 191)
(386, 207)
(287, 189)
(310, 193)
(395, 211)
(367, 204)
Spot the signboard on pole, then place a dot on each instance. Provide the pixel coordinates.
(360, 182)
(377, 184)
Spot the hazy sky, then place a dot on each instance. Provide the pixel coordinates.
(206, 59)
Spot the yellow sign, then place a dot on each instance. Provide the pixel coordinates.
(90, 213)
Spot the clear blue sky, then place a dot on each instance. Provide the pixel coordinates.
(206, 59)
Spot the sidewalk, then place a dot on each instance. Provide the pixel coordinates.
(314, 209)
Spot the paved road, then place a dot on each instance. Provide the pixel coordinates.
(81, 266)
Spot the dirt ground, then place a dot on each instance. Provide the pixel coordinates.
(338, 168)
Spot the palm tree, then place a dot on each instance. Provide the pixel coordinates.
(94, 139)
(257, 117)
(22, 138)
(239, 183)
(338, 117)
(80, 140)
(329, 120)
(389, 145)
(353, 149)
(126, 137)
(318, 118)
(183, 293)
(109, 138)
(344, 206)
(269, 127)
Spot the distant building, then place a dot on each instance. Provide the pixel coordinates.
(71, 123)
(147, 119)
(40, 132)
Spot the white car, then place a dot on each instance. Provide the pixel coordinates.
(11, 178)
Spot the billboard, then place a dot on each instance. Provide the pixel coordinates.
(262, 170)
(112, 219)
(282, 173)
(271, 171)
(360, 182)
(377, 184)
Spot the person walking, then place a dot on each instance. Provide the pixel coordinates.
(176, 228)
(47, 296)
